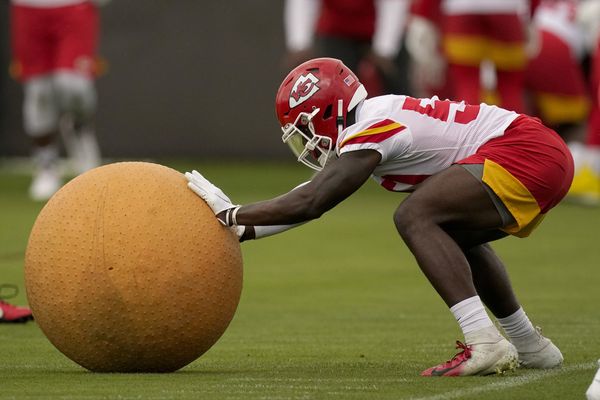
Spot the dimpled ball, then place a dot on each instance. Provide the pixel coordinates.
(127, 270)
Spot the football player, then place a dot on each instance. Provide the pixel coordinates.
(586, 184)
(475, 173)
(54, 56)
(561, 103)
(365, 34)
(481, 38)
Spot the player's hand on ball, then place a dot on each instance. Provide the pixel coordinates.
(212, 195)
(216, 200)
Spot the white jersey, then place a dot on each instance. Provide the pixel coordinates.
(458, 7)
(420, 137)
(47, 3)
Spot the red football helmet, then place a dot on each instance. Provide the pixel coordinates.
(312, 104)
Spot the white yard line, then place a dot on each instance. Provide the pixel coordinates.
(508, 383)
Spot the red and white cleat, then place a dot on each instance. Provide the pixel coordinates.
(478, 359)
(14, 314)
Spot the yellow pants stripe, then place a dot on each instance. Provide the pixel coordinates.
(515, 196)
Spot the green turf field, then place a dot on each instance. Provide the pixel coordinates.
(336, 309)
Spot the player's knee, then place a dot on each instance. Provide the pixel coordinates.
(40, 111)
(409, 220)
(76, 94)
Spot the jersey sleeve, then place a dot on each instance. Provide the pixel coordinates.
(389, 138)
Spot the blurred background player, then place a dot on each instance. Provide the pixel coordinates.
(484, 45)
(554, 75)
(54, 46)
(424, 45)
(586, 183)
(366, 35)
(10, 313)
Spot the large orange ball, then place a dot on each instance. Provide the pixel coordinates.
(127, 270)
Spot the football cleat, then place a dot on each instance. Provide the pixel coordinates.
(541, 353)
(14, 314)
(478, 359)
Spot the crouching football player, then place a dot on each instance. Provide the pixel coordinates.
(475, 173)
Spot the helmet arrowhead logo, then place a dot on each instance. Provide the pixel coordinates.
(304, 87)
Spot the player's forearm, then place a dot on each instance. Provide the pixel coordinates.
(294, 207)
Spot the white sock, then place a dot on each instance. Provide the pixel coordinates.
(472, 317)
(517, 326)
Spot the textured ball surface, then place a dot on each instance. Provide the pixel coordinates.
(127, 270)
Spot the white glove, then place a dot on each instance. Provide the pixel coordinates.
(212, 195)
(215, 198)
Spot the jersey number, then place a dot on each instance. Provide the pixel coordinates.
(443, 110)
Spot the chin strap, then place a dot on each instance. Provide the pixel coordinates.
(340, 116)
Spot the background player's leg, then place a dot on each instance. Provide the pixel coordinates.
(77, 100)
(466, 83)
(41, 122)
(73, 79)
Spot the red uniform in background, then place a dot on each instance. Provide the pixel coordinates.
(52, 36)
(365, 34)
(347, 18)
(492, 30)
(586, 183)
(554, 74)
(593, 137)
(476, 34)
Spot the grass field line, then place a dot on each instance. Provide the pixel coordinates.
(511, 382)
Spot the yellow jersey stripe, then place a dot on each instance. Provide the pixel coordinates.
(372, 131)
